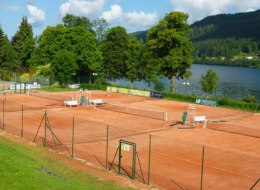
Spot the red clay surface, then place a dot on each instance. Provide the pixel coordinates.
(231, 138)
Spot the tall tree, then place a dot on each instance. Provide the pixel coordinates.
(134, 58)
(209, 81)
(114, 51)
(77, 40)
(169, 46)
(8, 56)
(23, 43)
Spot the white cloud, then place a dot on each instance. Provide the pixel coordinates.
(141, 19)
(130, 20)
(37, 15)
(114, 14)
(87, 8)
(198, 9)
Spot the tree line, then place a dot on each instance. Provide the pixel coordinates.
(80, 47)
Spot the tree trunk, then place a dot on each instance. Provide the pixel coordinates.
(90, 77)
(149, 85)
(172, 84)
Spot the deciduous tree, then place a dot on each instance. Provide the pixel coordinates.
(114, 51)
(209, 81)
(169, 47)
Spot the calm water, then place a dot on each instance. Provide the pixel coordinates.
(234, 82)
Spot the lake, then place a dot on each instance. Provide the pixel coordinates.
(234, 82)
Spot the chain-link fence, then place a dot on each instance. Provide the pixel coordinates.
(164, 155)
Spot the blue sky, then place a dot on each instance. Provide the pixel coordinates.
(134, 15)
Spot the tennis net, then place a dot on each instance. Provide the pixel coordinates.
(135, 111)
(51, 96)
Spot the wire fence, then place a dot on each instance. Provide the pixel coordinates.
(165, 160)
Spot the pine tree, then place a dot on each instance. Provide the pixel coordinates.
(23, 43)
(8, 56)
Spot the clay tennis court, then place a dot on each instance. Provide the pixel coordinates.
(231, 139)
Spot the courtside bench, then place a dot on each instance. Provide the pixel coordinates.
(71, 103)
(96, 102)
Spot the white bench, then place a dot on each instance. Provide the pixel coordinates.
(96, 102)
(71, 103)
(201, 119)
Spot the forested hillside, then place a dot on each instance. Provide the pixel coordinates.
(240, 25)
(226, 39)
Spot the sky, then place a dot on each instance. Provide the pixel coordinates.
(134, 15)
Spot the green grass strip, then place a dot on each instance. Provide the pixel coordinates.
(27, 167)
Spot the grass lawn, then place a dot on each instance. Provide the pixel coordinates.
(27, 167)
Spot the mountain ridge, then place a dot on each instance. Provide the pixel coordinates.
(238, 25)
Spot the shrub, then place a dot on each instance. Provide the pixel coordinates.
(249, 99)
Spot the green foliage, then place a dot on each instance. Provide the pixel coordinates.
(221, 38)
(240, 25)
(93, 86)
(77, 40)
(23, 43)
(70, 20)
(159, 86)
(64, 66)
(249, 99)
(179, 97)
(114, 51)
(225, 102)
(29, 167)
(1, 36)
(168, 46)
(222, 102)
(134, 60)
(8, 56)
(25, 77)
(209, 81)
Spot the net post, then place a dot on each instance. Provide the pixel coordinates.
(149, 160)
(165, 116)
(107, 149)
(202, 168)
(72, 147)
(22, 123)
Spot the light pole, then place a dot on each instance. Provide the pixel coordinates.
(185, 85)
(94, 78)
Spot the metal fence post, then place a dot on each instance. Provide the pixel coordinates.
(22, 123)
(149, 160)
(202, 168)
(107, 149)
(72, 147)
(45, 126)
